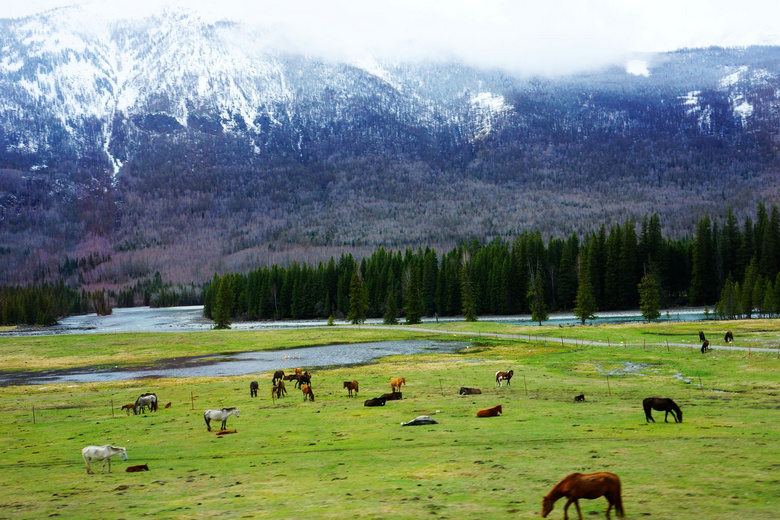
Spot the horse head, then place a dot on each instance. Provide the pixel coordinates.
(547, 505)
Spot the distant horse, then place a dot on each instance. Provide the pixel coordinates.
(662, 405)
(701, 336)
(148, 399)
(167, 405)
(278, 376)
(467, 390)
(396, 382)
(129, 407)
(292, 377)
(579, 398)
(298, 372)
(253, 387)
(705, 346)
(393, 396)
(278, 389)
(304, 379)
(138, 467)
(103, 453)
(585, 485)
(307, 393)
(420, 420)
(351, 386)
(729, 337)
(219, 415)
(491, 412)
(504, 376)
(376, 401)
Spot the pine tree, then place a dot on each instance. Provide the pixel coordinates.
(585, 303)
(358, 299)
(391, 314)
(536, 297)
(649, 298)
(414, 303)
(704, 281)
(222, 304)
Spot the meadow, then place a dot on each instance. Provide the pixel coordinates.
(334, 457)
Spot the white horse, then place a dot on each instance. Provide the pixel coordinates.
(145, 400)
(103, 453)
(219, 415)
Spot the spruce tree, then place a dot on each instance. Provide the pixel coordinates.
(649, 298)
(222, 305)
(391, 314)
(585, 303)
(414, 303)
(358, 299)
(536, 297)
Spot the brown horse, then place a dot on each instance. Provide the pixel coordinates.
(351, 386)
(278, 375)
(253, 386)
(307, 393)
(278, 389)
(705, 346)
(729, 337)
(661, 404)
(579, 398)
(504, 376)
(491, 412)
(585, 485)
(396, 382)
(129, 407)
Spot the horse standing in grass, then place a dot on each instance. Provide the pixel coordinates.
(661, 404)
(705, 346)
(145, 400)
(701, 335)
(129, 408)
(253, 387)
(504, 376)
(396, 382)
(278, 389)
(308, 395)
(351, 386)
(729, 337)
(278, 376)
(103, 453)
(219, 415)
(585, 485)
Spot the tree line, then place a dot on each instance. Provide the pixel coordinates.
(599, 271)
(43, 304)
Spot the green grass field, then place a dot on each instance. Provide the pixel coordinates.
(335, 458)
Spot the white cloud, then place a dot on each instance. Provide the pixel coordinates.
(519, 35)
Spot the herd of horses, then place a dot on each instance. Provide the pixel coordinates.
(705, 343)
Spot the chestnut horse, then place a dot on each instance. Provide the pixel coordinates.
(307, 393)
(585, 485)
(491, 412)
(396, 382)
(351, 386)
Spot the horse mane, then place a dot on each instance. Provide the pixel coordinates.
(229, 409)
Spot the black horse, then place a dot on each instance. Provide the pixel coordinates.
(662, 404)
(729, 337)
(701, 336)
(705, 346)
(253, 386)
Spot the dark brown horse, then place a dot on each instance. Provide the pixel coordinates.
(579, 398)
(253, 386)
(504, 376)
(701, 336)
(729, 337)
(588, 486)
(705, 346)
(351, 386)
(491, 412)
(278, 389)
(278, 376)
(662, 404)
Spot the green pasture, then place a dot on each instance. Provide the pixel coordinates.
(335, 458)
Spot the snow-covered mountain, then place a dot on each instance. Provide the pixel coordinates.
(142, 132)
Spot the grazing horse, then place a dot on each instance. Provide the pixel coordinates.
(504, 376)
(219, 415)
(167, 405)
(307, 393)
(701, 336)
(278, 376)
(148, 399)
(396, 382)
(466, 390)
(729, 337)
(291, 377)
(491, 412)
(585, 485)
(579, 398)
(351, 386)
(129, 407)
(278, 389)
(662, 405)
(138, 467)
(304, 379)
(103, 453)
(376, 401)
(253, 387)
(705, 346)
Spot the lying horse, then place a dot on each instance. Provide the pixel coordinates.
(491, 412)
(420, 420)
(148, 399)
(396, 382)
(129, 407)
(219, 415)
(705, 346)
(138, 467)
(504, 376)
(307, 393)
(579, 398)
(729, 337)
(465, 390)
(662, 405)
(585, 485)
(351, 386)
(278, 376)
(393, 396)
(103, 453)
(376, 401)
(253, 387)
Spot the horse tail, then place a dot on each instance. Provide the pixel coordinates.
(619, 502)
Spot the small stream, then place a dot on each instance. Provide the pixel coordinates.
(240, 364)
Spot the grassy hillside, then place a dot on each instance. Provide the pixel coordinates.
(334, 457)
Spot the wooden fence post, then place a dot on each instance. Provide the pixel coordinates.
(33, 415)
(608, 387)
(526, 385)
(192, 400)
(112, 407)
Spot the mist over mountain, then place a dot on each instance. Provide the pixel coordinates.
(186, 147)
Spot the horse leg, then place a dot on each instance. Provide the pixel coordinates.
(609, 501)
(208, 423)
(566, 508)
